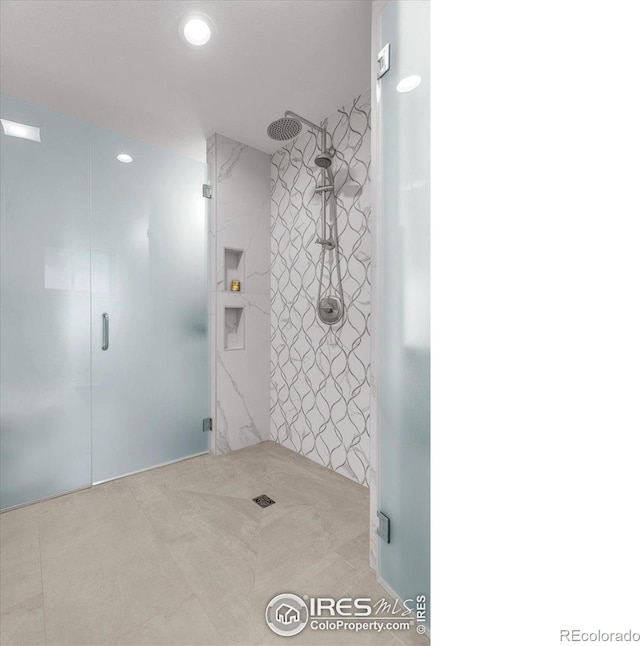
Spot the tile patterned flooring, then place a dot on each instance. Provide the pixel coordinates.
(182, 555)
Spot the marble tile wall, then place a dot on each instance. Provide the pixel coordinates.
(320, 376)
(240, 220)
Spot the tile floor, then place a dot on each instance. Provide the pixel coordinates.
(182, 555)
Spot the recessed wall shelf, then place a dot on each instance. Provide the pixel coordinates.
(233, 268)
(234, 328)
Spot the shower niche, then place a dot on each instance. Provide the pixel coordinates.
(233, 269)
(234, 328)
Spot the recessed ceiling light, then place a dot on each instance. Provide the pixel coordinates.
(408, 83)
(196, 29)
(124, 158)
(15, 129)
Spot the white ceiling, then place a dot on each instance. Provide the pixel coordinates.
(121, 64)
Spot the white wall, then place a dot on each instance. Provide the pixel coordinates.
(240, 220)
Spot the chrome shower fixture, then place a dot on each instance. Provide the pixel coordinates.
(330, 306)
(284, 129)
(323, 160)
(290, 126)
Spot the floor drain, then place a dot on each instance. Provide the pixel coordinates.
(264, 501)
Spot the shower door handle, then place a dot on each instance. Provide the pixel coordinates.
(105, 331)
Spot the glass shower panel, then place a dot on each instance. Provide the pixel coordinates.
(45, 355)
(403, 299)
(149, 275)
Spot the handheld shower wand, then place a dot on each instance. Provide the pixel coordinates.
(330, 308)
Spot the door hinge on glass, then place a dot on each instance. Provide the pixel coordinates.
(384, 527)
(207, 424)
(384, 59)
(207, 191)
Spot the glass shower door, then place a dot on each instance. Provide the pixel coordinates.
(149, 280)
(45, 351)
(403, 298)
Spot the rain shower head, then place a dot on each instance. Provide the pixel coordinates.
(284, 129)
(290, 126)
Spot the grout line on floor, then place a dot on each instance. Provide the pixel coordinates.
(189, 586)
(170, 557)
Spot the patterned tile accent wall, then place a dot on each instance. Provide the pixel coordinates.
(320, 375)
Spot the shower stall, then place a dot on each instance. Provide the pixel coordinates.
(104, 305)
